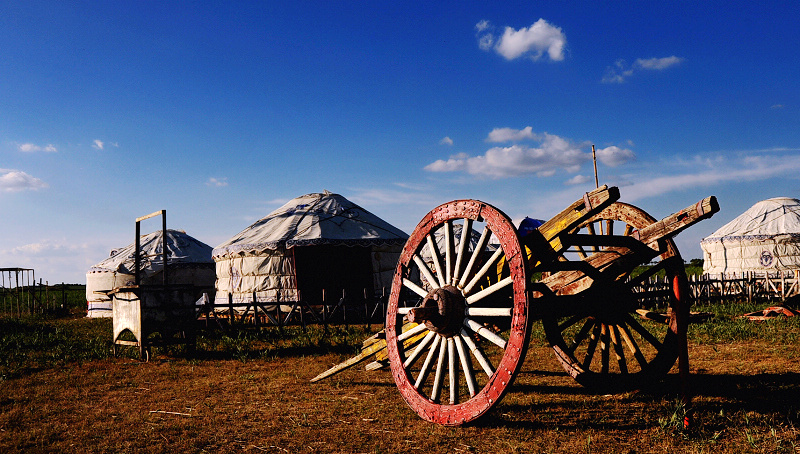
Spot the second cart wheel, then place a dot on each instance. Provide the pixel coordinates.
(601, 341)
(469, 299)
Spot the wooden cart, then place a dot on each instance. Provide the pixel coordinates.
(476, 297)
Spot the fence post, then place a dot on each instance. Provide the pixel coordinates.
(366, 310)
(230, 309)
(783, 285)
(344, 308)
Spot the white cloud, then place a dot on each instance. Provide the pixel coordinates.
(278, 202)
(614, 156)
(578, 179)
(16, 181)
(31, 147)
(511, 135)
(531, 42)
(446, 141)
(553, 153)
(217, 182)
(620, 71)
(657, 63)
(46, 248)
(485, 35)
(377, 197)
(98, 144)
(716, 169)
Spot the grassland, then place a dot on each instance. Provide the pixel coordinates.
(62, 391)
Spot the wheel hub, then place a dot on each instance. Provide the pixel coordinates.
(442, 311)
(610, 301)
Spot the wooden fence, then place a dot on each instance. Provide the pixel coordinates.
(36, 298)
(750, 287)
(654, 294)
(359, 309)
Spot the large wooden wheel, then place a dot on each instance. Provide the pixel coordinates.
(596, 333)
(469, 299)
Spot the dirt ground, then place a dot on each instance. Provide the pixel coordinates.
(747, 399)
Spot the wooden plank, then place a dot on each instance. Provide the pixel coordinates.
(545, 244)
(678, 222)
(569, 218)
(375, 346)
(649, 238)
(148, 216)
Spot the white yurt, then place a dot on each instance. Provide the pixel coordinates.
(765, 238)
(312, 243)
(189, 263)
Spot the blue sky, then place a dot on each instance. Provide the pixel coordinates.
(219, 112)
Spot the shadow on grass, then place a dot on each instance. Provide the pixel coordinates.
(719, 402)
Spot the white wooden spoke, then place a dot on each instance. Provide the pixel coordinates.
(619, 352)
(484, 269)
(634, 348)
(466, 234)
(489, 311)
(419, 349)
(604, 348)
(569, 322)
(412, 332)
(437, 260)
(581, 253)
(628, 229)
(643, 332)
(593, 340)
(437, 378)
(490, 289)
(584, 331)
(477, 353)
(475, 254)
(452, 370)
(426, 366)
(403, 310)
(414, 287)
(448, 252)
(485, 332)
(466, 365)
(609, 227)
(423, 267)
(647, 274)
(590, 229)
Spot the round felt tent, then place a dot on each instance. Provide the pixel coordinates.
(312, 243)
(189, 262)
(765, 238)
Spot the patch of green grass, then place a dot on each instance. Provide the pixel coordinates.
(271, 343)
(51, 300)
(728, 325)
(37, 342)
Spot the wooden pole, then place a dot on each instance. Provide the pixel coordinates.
(594, 159)
(164, 245)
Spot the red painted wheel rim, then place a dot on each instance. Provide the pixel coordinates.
(511, 297)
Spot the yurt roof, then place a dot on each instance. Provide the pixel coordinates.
(181, 248)
(313, 219)
(765, 219)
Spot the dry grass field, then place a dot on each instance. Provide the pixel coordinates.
(251, 393)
